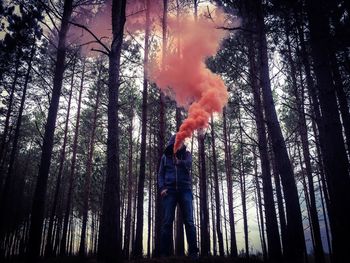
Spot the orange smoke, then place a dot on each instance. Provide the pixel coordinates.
(98, 21)
(185, 77)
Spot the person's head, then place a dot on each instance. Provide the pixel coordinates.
(169, 150)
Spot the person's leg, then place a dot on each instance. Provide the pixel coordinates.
(185, 201)
(168, 204)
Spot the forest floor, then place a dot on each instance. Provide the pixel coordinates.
(211, 259)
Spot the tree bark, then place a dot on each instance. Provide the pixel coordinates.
(126, 250)
(140, 197)
(295, 249)
(228, 169)
(89, 167)
(204, 211)
(336, 162)
(217, 192)
(302, 129)
(72, 169)
(109, 245)
(38, 206)
(49, 242)
(273, 239)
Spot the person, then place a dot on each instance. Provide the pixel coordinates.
(175, 187)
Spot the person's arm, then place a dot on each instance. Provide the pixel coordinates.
(187, 161)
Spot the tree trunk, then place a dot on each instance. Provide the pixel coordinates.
(140, 197)
(302, 128)
(204, 214)
(49, 242)
(242, 182)
(295, 249)
(336, 162)
(109, 245)
(273, 240)
(259, 209)
(38, 206)
(228, 168)
(89, 167)
(72, 168)
(7, 201)
(126, 251)
(217, 192)
(7, 118)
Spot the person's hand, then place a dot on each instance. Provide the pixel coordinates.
(164, 192)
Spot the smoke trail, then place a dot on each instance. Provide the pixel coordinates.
(185, 77)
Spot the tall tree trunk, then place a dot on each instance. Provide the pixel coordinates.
(89, 166)
(242, 182)
(109, 245)
(204, 214)
(295, 249)
(217, 192)
(212, 210)
(273, 240)
(49, 241)
(72, 169)
(228, 169)
(336, 162)
(302, 128)
(342, 98)
(150, 171)
(126, 250)
(38, 206)
(260, 207)
(7, 201)
(8, 115)
(140, 197)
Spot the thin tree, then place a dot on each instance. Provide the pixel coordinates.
(89, 164)
(72, 172)
(217, 191)
(141, 184)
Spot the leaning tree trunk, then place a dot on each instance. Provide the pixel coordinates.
(295, 249)
(109, 245)
(336, 162)
(38, 206)
(141, 185)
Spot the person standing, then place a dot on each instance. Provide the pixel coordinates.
(175, 187)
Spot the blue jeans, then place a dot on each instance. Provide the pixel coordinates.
(184, 198)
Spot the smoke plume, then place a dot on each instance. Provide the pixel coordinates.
(184, 75)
